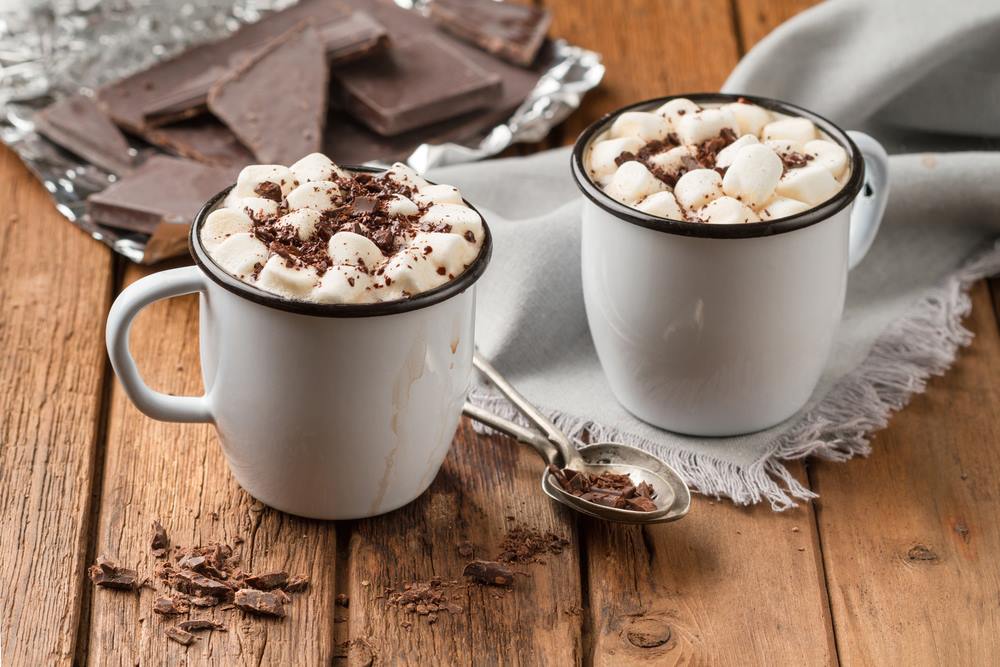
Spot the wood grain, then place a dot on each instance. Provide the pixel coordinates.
(486, 486)
(910, 535)
(650, 48)
(177, 473)
(756, 18)
(55, 287)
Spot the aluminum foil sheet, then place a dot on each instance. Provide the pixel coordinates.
(52, 48)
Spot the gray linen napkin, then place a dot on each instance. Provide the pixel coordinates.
(886, 68)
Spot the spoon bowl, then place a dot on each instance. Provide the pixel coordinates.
(670, 493)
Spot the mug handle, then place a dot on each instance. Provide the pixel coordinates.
(132, 299)
(869, 206)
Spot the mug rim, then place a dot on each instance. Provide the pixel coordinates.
(818, 213)
(204, 260)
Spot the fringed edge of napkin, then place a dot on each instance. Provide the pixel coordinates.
(920, 344)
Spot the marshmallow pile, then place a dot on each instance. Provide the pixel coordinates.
(724, 164)
(315, 232)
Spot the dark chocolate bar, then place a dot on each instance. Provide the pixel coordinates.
(178, 88)
(163, 189)
(511, 31)
(416, 82)
(77, 124)
(204, 139)
(276, 102)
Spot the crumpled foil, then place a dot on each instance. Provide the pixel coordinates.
(50, 48)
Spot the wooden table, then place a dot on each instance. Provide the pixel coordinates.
(895, 564)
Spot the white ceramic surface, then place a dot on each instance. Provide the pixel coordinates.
(321, 416)
(716, 336)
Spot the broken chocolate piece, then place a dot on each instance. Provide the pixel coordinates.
(160, 542)
(291, 69)
(297, 584)
(608, 488)
(489, 572)
(107, 574)
(262, 603)
(77, 124)
(199, 624)
(178, 88)
(268, 581)
(200, 585)
(180, 636)
(511, 31)
(419, 81)
(204, 139)
(269, 190)
(163, 190)
(172, 606)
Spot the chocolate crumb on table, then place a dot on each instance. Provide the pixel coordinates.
(489, 572)
(608, 489)
(522, 544)
(160, 543)
(200, 624)
(108, 574)
(180, 636)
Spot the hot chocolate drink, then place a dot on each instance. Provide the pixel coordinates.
(319, 233)
(723, 163)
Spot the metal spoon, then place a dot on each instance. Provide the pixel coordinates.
(670, 493)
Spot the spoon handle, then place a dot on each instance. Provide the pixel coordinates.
(552, 433)
(545, 449)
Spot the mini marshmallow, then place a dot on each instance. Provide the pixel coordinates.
(750, 118)
(676, 109)
(796, 129)
(811, 184)
(633, 182)
(785, 147)
(694, 128)
(406, 175)
(252, 176)
(828, 154)
(724, 158)
(343, 284)
(461, 219)
(355, 249)
(727, 211)
(281, 279)
(603, 154)
(239, 254)
(662, 204)
(400, 205)
(782, 207)
(316, 167)
(753, 175)
(303, 221)
(409, 271)
(438, 194)
(223, 223)
(445, 251)
(258, 207)
(640, 125)
(698, 187)
(671, 161)
(319, 195)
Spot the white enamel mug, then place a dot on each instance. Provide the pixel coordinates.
(717, 329)
(324, 410)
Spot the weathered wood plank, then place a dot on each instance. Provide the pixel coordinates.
(650, 48)
(55, 286)
(756, 18)
(177, 473)
(910, 534)
(486, 486)
(725, 585)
